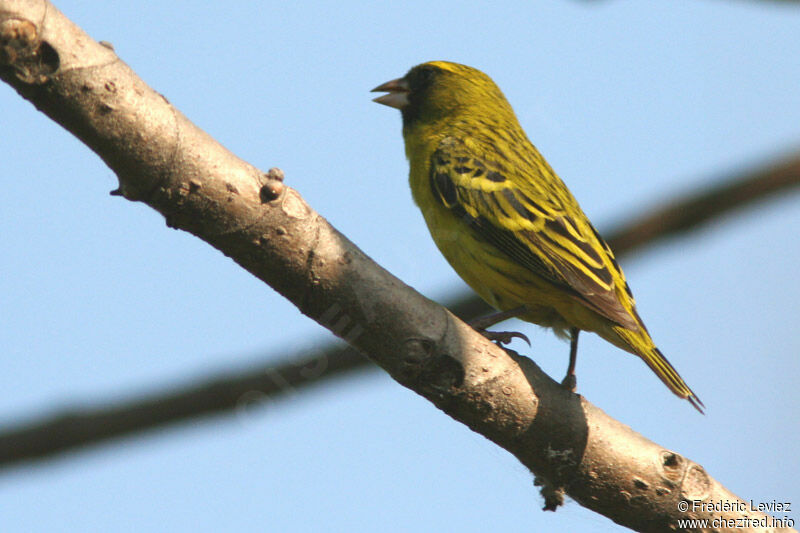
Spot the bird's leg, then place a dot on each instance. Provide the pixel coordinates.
(502, 337)
(570, 381)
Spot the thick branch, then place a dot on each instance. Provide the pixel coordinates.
(87, 425)
(163, 160)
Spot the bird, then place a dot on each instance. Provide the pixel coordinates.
(506, 222)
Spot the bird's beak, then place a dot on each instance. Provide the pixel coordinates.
(398, 93)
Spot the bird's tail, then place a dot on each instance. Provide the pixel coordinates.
(640, 343)
(664, 370)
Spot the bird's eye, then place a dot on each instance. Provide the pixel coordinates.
(427, 73)
(423, 77)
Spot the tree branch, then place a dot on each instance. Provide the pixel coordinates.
(85, 425)
(165, 161)
(722, 198)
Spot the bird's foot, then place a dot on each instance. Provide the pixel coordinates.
(487, 321)
(570, 382)
(504, 337)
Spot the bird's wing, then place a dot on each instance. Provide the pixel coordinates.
(509, 208)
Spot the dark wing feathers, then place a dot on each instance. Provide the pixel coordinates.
(530, 226)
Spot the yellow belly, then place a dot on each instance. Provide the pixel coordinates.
(499, 281)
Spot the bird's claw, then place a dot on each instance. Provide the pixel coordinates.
(570, 382)
(504, 337)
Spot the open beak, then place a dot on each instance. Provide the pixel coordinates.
(398, 93)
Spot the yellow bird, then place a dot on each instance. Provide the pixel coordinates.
(505, 221)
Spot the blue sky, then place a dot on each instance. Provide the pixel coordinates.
(631, 103)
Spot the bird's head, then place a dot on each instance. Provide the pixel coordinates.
(439, 89)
